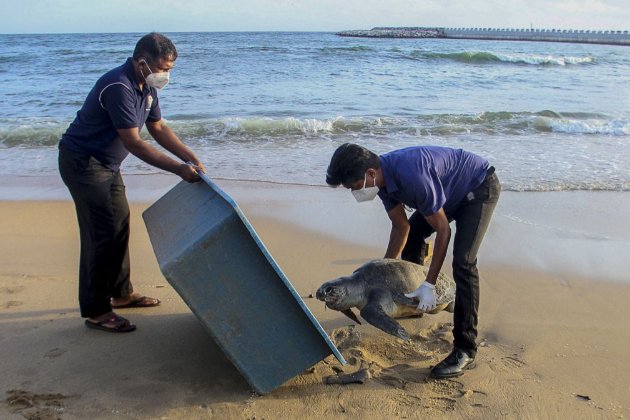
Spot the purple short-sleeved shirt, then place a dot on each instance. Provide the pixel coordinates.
(115, 102)
(428, 178)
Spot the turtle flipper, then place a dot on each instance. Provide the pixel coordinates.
(450, 307)
(401, 299)
(351, 315)
(374, 314)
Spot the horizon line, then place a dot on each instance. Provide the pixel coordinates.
(291, 31)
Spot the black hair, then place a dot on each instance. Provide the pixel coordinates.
(349, 163)
(154, 46)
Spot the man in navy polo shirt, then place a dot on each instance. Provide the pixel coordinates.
(105, 130)
(441, 184)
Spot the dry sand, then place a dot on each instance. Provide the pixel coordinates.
(553, 319)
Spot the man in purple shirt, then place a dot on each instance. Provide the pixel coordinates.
(105, 130)
(441, 185)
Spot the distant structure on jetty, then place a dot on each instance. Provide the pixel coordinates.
(548, 35)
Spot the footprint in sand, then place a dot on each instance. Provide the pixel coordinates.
(12, 304)
(11, 290)
(401, 374)
(513, 362)
(56, 352)
(436, 338)
(346, 337)
(448, 392)
(409, 400)
(441, 403)
(35, 406)
(447, 387)
(393, 380)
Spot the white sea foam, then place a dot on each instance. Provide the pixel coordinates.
(516, 58)
(288, 125)
(536, 59)
(589, 126)
(45, 132)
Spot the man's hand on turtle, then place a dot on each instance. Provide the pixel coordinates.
(425, 295)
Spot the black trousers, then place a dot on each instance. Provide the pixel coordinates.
(472, 218)
(103, 216)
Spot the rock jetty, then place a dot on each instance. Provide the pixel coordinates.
(497, 34)
(385, 32)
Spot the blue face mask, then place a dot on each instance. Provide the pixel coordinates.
(365, 193)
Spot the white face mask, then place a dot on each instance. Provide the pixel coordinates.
(365, 193)
(157, 80)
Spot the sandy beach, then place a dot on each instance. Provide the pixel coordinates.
(553, 315)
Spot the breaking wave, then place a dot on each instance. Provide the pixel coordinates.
(46, 132)
(480, 57)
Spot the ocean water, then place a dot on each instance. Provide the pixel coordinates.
(274, 106)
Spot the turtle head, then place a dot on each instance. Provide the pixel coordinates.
(335, 294)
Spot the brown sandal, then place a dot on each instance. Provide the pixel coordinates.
(141, 302)
(114, 323)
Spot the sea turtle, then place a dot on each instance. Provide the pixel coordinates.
(377, 289)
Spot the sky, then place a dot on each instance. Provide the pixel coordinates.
(88, 16)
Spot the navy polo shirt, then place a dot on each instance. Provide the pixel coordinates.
(428, 178)
(114, 102)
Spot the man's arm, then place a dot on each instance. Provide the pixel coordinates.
(439, 222)
(163, 134)
(138, 147)
(399, 233)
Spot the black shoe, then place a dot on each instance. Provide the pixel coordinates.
(454, 365)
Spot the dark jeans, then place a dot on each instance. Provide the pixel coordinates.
(471, 221)
(103, 215)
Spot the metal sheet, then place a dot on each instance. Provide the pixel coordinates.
(211, 255)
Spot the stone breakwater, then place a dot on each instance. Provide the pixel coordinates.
(395, 33)
(545, 35)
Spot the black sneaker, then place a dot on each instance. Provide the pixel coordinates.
(454, 365)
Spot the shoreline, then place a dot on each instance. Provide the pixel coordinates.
(575, 233)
